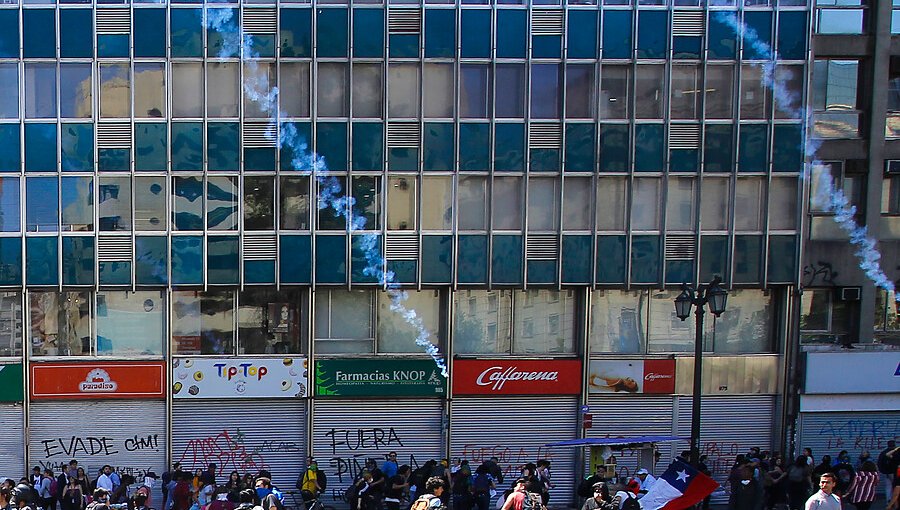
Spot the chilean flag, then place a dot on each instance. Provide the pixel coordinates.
(679, 487)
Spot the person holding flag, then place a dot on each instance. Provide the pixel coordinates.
(681, 486)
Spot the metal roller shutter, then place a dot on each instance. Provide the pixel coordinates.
(129, 435)
(241, 435)
(12, 441)
(515, 430)
(633, 415)
(346, 433)
(729, 426)
(829, 433)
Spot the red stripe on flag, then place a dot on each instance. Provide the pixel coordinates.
(700, 487)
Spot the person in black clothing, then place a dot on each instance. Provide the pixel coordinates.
(461, 489)
(823, 467)
(395, 488)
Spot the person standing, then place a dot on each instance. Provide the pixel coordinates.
(516, 499)
(390, 467)
(865, 485)
(396, 487)
(600, 500)
(825, 499)
(44, 492)
(798, 483)
(887, 466)
(104, 481)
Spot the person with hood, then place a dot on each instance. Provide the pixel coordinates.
(601, 499)
(745, 493)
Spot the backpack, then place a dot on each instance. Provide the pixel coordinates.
(885, 464)
(533, 501)
(423, 502)
(796, 474)
(481, 484)
(631, 503)
(54, 488)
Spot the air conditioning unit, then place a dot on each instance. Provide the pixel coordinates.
(850, 293)
(892, 167)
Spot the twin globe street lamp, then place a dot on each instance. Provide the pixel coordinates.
(714, 296)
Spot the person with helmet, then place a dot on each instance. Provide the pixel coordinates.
(100, 500)
(22, 496)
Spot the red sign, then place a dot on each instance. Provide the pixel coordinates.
(98, 380)
(632, 376)
(516, 377)
(659, 376)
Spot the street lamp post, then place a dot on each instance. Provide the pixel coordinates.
(715, 296)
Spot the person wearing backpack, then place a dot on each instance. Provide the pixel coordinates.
(521, 499)
(482, 484)
(431, 499)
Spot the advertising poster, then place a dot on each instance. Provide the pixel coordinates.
(98, 380)
(239, 378)
(632, 376)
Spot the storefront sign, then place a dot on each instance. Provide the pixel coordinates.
(239, 378)
(632, 376)
(860, 372)
(12, 389)
(97, 380)
(379, 378)
(516, 377)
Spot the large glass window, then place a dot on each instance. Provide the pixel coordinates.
(344, 321)
(824, 319)
(395, 334)
(680, 204)
(514, 322)
(115, 90)
(645, 204)
(187, 89)
(40, 91)
(221, 203)
(368, 90)
(748, 197)
(149, 203)
(114, 201)
(60, 323)
(366, 193)
(131, 323)
(438, 90)
(472, 207)
(332, 90)
(223, 89)
(294, 203)
(649, 91)
(546, 91)
(10, 205)
(9, 91)
(618, 321)
(401, 203)
(203, 322)
(150, 90)
(510, 91)
(187, 203)
(580, 98)
(577, 201)
(755, 95)
(259, 203)
(834, 97)
(886, 311)
(714, 204)
(719, 91)
(11, 333)
(543, 204)
(270, 322)
(75, 90)
(42, 207)
(615, 87)
(507, 203)
(685, 92)
(437, 192)
(474, 91)
(403, 80)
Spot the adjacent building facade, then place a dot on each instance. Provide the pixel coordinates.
(540, 179)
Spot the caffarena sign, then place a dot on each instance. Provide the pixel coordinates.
(516, 377)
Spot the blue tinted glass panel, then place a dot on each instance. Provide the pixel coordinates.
(576, 259)
(150, 147)
(223, 43)
(404, 270)
(787, 149)
(403, 159)
(331, 32)
(713, 253)
(186, 37)
(331, 264)
(440, 32)
(149, 40)
(222, 260)
(782, 259)
(474, 147)
(187, 260)
(224, 145)
(77, 194)
(114, 160)
(39, 33)
(475, 39)
(512, 40)
(718, 146)
(368, 33)
(78, 260)
(792, 35)
(188, 205)
(546, 46)
(187, 146)
(679, 271)
(10, 211)
(580, 139)
(112, 45)
(10, 158)
(541, 271)
(684, 160)
(747, 253)
(506, 259)
(582, 34)
(332, 144)
(296, 32)
(648, 148)
(613, 148)
(259, 271)
(262, 45)
(10, 260)
(9, 33)
(261, 159)
(722, 39)
(40, 147)
(294, 153)
(617, 34)
(611, 266)
(544, 160)
(472, 260)
(77, 144)
(115, 273)
(368, 151)
(76, 36)
(761, 23)
(509, 147)
(150, 260)
(361, 267)
(645, 259)
(754, 148)
(41, 204)
(295, 259)
(438, 146)
(687, 47)
(653, 33)
(437, 259)
(404, 45)
(41, 261)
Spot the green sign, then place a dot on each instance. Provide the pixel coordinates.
(379, 378)
(11, 387)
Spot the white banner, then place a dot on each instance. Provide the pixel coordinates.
(852, 372)
(239, 378)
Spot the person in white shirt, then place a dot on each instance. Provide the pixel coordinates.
(646, 480)
(104, 481)
(628, 492)
(824, 499)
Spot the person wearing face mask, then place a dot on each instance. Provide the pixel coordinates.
(268, 499)
(100, 500)
(745, 491)
(313, 481)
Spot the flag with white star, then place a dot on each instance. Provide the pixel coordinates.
(681, 486)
